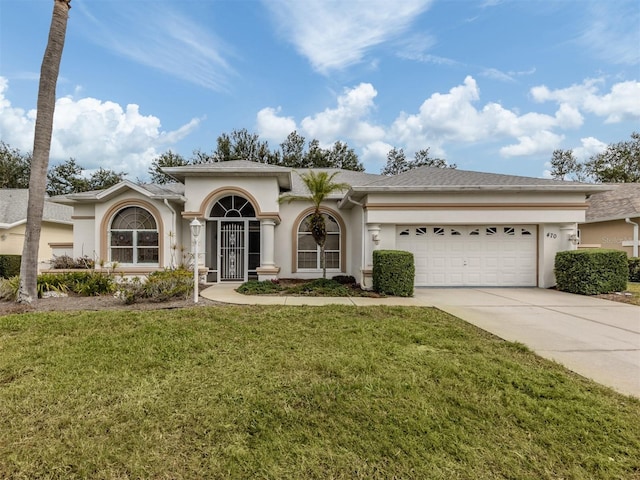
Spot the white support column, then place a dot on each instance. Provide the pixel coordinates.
(268, 269)
(370, 243)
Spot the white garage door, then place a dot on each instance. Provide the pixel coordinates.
(487, 255)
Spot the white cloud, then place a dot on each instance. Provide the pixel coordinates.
(611, 31)
(620, 104)
(589, 146)
(96, 133)
(348, 119)
(539, 142)
(335, 34)
(273, 127)
(161, 38)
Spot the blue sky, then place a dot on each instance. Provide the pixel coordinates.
(489, 85)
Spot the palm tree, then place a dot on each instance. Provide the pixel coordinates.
(320, 186)
(41, 148)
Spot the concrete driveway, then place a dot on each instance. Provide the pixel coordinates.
(596, 338)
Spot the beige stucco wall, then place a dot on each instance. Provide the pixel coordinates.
(609, 234)
(12, 239)
(90, 235)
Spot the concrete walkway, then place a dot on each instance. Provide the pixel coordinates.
(596, 338)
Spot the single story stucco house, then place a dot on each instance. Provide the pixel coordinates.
(613, 219)
(56, 235)
(464, 228)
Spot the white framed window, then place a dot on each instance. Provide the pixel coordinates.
(133, 237)
(308, 254)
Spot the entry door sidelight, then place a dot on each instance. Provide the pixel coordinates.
(232, 251)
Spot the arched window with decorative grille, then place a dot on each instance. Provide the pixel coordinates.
(133, 237)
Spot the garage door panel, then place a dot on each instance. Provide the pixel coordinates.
(487, 255)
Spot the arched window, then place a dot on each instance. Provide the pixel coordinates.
(309, 251)
(133, 237)
(233, 206)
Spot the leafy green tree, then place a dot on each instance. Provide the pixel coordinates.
(320, 185)
(422, 159)
(565, 166)
(69, 177)
(45, 108)
(619, 163)
(341, 156)
(66, 178)
(397, 161)
(292, 152)
(167, 159)
(241, 145)
(104, 178)
(14, 167)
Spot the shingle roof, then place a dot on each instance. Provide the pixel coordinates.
(174, 191)
(344, 176)
(622, 202)
(432, 176)
(13, 208)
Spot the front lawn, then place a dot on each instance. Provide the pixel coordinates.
(297, 392)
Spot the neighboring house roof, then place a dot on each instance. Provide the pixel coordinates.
(617, 204)
(170, 191)
(13, 209)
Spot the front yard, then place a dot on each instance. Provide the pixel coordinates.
(297, 392)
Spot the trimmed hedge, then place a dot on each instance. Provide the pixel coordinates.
(634, 269)
(591, 272)
(10, 265)
(393, 272)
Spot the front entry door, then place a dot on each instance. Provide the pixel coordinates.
(232, 251)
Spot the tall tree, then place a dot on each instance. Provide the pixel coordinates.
(104, 178)
(69, 177)
(565, 166)
(14, 167)
(422, 159)
(341, 156)
(320, 185)
(66, 178)
(41, 147)
(167, 159)
(292, 151)
(396, 162)
(619, 163)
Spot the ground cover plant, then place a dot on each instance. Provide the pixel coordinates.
(297, 392)
(340, 286)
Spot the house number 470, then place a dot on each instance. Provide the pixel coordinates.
(552, 235)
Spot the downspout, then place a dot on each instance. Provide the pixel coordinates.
(175, 229)
(635, 236)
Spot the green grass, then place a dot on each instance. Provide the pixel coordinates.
(634, 288)
(297, 392)
(319, 287)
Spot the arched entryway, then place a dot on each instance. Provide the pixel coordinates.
(233, 240)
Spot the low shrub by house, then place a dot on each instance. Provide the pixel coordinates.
(634, 269)
(160, 286)
(393, 272)
(68, 263)
(591, 272)
(10, 265)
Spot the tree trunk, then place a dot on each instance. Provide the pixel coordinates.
(323, 261)
(49, 70)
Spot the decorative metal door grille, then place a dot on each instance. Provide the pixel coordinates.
(232, 251)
